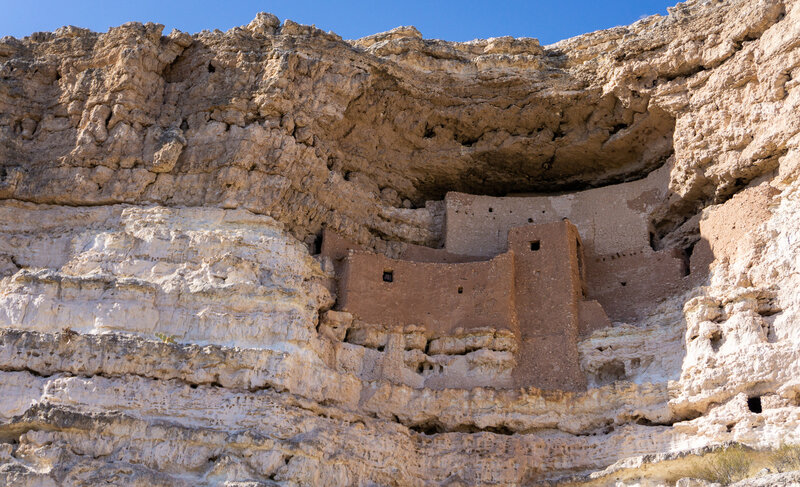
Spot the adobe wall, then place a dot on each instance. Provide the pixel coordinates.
(591, 317)
(614, 228)
(625, 285)
(728, 232)
(731, 228)
(418, 253)
(440, 297)
(610, 219)
(336, 247)
(547, 281)
(547, 293)
(535, 290)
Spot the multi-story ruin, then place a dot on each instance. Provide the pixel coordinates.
(519, 265)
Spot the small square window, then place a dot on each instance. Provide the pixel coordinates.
(388, 276)
(535, 245)
(460, 290)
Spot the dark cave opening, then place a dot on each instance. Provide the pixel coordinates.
(754, 404)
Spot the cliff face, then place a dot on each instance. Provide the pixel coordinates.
(165, 318)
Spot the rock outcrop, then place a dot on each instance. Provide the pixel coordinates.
(166, 317)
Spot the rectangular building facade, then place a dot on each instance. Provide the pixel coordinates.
(534, 289)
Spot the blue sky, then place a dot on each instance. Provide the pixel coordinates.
(549, 21)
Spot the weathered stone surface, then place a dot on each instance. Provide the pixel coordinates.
(165, 320)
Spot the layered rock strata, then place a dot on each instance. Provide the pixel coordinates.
(165, 318)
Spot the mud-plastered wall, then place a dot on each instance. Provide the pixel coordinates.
(439, 297)
(609, 219)
(615, 226)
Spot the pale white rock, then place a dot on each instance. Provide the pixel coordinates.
(163, 322)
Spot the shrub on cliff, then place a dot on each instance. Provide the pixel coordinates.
(786, 458)
(726, 466)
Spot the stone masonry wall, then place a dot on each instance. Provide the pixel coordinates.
(165, 325)
(439, 297)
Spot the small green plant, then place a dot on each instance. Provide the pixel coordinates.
(166, 338)
(726, 466)
(786, 458)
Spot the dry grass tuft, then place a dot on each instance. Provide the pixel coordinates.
(786, 458)
(165, 338)
(725, 466)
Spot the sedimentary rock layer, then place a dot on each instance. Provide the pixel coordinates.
(165, 320)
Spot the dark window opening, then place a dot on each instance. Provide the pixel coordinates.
(460, 290)
(530, 220)
(623, 283)
(317, 246)
(491, 210)
(686, 257)
(581, 275)
(535, 245)
(388, 276)
(754, 404)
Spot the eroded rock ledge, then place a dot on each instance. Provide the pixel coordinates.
(166, 317)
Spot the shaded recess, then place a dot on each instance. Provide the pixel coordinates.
(496, 137)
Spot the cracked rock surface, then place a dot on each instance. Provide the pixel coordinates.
(164, 319)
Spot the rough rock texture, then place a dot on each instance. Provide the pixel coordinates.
(164, 321)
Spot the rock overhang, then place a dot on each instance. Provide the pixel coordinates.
(258, 140)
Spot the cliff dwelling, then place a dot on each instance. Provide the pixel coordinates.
(519, 267)
(274, 256)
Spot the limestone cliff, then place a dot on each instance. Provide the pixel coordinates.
(166, 317)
